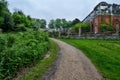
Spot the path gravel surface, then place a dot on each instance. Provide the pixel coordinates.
(74, 65)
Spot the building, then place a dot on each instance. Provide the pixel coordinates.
(104, 12)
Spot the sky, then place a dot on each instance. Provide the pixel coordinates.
(52, 9)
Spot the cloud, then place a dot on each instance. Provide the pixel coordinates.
(52, 9)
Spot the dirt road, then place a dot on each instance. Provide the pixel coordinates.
(74, 65)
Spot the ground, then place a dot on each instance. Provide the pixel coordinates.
(74, 65)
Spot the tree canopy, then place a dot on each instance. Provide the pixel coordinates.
(17, 21)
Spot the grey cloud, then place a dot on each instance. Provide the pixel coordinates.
(51, 9)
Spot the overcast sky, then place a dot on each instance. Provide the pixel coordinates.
(52, 9)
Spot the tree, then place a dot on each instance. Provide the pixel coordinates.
(75, 21)
(3, 10)
(64, 23)
(58, 23)
(3, 7)
(43, 23)
(84, 26)
(51, 24)
(21, 20)
(6, 21)
(69, 24)
(17, 18)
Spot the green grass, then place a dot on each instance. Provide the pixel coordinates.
(105, 54)
(43, 65)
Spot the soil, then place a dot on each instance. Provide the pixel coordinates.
(74, 65)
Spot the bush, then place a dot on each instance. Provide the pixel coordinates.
(21, 50)
(20, 27)
(106, 27)
(10, 41)
(2, 44)
(85, 27)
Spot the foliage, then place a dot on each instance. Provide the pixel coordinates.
(38, 71)
(6, 22)
(20, 27)
(65, 23)
(103, 53)
(21, 20)
(40, 23)
(43, 23)
(3, 7)
(59, 23)
(85, 27)
(106, 27)
(17, 21)
(75, 21)
(51, 24)
(21, 50)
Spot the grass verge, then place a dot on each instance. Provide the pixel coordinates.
(105, 54)
(43, 65)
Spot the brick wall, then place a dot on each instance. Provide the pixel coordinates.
(95, 24)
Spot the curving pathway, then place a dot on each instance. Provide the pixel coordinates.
(74, 65)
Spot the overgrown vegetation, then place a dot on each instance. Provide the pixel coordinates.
(106, 27)
(21, 50)
(22, 43)
(84, 26)
(103, 53)
(17, 21)
(37, 72)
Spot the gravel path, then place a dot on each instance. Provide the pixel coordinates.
(74, 65)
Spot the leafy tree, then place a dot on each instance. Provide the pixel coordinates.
(69, 24)
(17, 18)
(8, 23)
(39, 23)
(43, 23)
(3, 7)
(51, 24)
(85, 27)
(64, 23)
(58, 23)
(75, 21)
(22, 21)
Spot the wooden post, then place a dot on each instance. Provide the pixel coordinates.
(80, 31)
(117, 28)
(59, 33)
(68, 33)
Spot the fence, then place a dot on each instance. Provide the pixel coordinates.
(94, 36)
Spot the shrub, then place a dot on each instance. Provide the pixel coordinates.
(20, 27)
(21, 50)
(106, 27)
(85, 27)
(2, 44)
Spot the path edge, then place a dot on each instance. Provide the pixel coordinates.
(48, 74)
